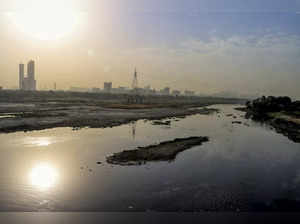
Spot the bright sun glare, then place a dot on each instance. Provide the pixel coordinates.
(46, 20)
(43, 176)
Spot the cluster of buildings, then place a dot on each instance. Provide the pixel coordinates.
(29, 82)
(147, 90)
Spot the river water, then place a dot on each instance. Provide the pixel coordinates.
(244, 167)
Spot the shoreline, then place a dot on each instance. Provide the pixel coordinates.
(284, 122)
(92, 117)
(39, 110)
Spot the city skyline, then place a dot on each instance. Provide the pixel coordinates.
(206, 46)
(28, 82)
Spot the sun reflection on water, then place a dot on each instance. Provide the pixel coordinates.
(42, 141)
(39, 141)
(43, 176)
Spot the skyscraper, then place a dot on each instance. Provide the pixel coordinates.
(30, 69)
(29, 82)
(21, 75)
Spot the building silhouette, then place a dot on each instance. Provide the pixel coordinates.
(29, 82)
(165, 91)
(189, 93)
(107, 87)
(176, 92)
(135, 85)
(21, 76)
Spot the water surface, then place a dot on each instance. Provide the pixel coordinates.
(244, 166)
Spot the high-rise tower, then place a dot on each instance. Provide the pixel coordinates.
(135, 80)
(29, 82)
(136, 96)
(30, 70)
(21, 76)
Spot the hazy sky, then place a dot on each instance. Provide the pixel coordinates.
(246, 46)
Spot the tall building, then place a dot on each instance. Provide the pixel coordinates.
(21, 75)
(189, 93)
(30, 69)
(108, 87)
(29, 82)
(165, 91)
(176, 92)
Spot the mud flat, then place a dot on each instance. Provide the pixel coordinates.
(78, 116)
(165, 151)
(38, 110)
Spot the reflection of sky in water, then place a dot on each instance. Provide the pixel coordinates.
(6, 116)
(38, 141)
(239, 164)
(43, 141)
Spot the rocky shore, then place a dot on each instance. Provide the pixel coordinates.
(165, 151)
(280, 112)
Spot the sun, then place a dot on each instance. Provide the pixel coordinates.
(46, 20)
(43, 176)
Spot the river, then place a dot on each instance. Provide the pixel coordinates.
(244, 167)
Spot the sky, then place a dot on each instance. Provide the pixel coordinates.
(250, 47)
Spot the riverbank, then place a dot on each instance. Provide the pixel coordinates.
(39, 118)
(29, 111)
(279, 112)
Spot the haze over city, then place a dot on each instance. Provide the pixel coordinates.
(206, 46)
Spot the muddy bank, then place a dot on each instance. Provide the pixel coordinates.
(279, 112)
(165, 151)
(286, 125)
(48, 116)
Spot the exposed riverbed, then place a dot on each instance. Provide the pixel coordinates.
(246, 166)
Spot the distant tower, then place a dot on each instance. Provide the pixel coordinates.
(30, 70)
(29, 82)
(55, 86)
(21, 76)
(136, 97)
(135, 81)
(31, 75)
